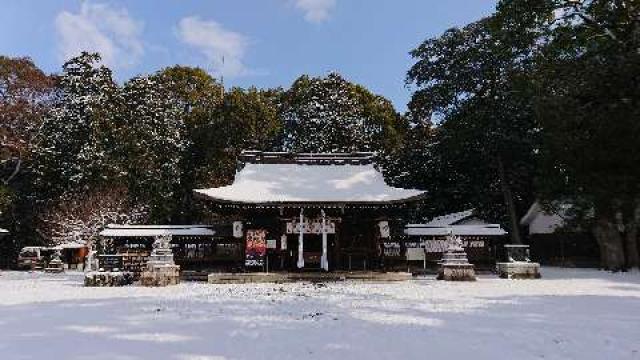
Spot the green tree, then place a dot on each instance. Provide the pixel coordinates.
(78, 140)
(156, 144)
(331, 114)
(26, 93)
(198, 96)
(475, 84)
(588, 106)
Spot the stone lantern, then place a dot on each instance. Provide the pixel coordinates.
(161, 269)
(454, 265)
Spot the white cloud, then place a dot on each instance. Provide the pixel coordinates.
(316, 11)
(101, 28)
(215, 43)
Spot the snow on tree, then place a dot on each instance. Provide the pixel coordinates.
(332, 115)
(25, 93)
(78, 138)
(81, 217)
(156, 145)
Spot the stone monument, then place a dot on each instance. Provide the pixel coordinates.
(518, 264)
(454, 265)
(106, 271)
(161, 269)
(55, 265)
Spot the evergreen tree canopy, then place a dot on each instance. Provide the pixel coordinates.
(333, 115)
(78, 138)
(474, 83)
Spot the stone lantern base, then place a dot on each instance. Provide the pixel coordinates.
(456, 272)
(161, 275)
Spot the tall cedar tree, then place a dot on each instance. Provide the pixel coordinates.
(330, 114)
(198, 97)
(589, 109)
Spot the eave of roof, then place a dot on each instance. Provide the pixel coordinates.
(464, 230)
(156, 230)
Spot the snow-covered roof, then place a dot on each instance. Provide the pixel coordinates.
(463, 230)
(71, 245)
(4, 231)
(114, 230)
(266, 183)
(541, 222)
(450, 219)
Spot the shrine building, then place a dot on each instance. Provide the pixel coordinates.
(303, 211)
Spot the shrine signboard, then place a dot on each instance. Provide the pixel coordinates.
(311, 227)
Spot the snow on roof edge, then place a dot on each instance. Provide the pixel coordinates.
(115, 230)
(432, 230)
(451, 218)
(309, 184)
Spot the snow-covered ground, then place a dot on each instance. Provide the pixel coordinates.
(569, 314)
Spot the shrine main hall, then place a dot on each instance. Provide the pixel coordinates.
(303, 211)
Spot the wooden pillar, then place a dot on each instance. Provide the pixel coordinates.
(324, 261)
(301, 241)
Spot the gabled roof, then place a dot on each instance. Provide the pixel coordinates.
(310, 178)
(114, 230)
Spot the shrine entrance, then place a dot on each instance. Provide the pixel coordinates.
(312, 252)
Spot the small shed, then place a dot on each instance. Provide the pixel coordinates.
(194, 246)
(553, 242)
(429, 240)
(73, 254)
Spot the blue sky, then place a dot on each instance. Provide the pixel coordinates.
(266, 43)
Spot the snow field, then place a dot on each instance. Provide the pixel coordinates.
(569, 314)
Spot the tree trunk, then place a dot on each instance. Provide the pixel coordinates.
(631, 239)
(609, 239)
(631, 246)
(511, 207)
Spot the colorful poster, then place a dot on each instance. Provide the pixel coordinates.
(256, 248)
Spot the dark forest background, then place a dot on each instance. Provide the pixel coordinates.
(538, 102)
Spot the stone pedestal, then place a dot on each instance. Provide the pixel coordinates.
(518, 270)
(454, 265)
(161, 275)
(161, 269)
(107, 278)
(518, 264)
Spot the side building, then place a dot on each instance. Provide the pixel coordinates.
(554, 242)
